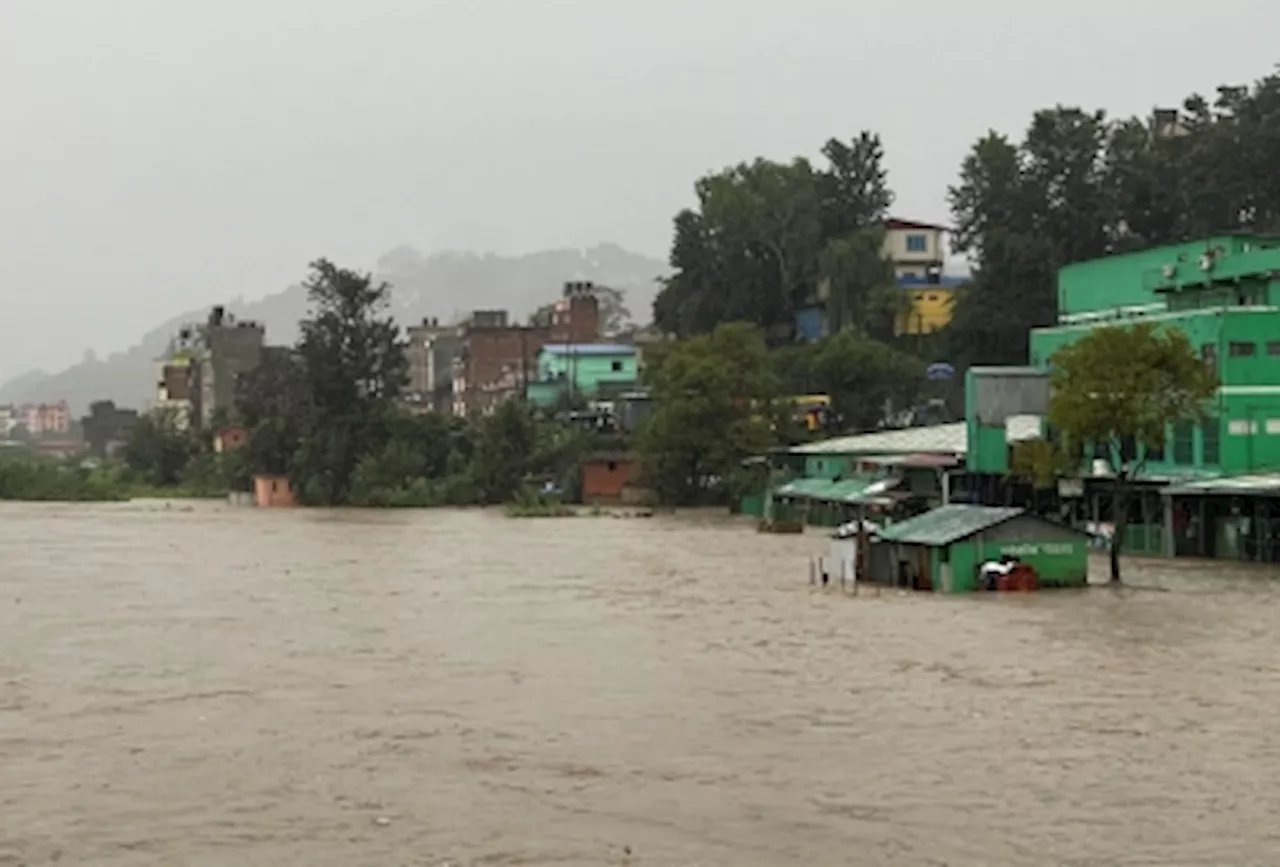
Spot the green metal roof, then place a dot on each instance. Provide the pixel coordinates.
(947, 524)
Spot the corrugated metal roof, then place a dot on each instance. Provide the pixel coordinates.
(947, 524)
(1261, 483)
(949, 439)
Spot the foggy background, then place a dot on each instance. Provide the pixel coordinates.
(158, 156)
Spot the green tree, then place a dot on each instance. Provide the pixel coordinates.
(273, 402)
(159, 447)
(1120, 389)
(713, 406)
(1021, 212)
(859, 284)
(355, 367)
(416, 453)
(865, 378)
(505, 442)
(768, 238)
(855, 186)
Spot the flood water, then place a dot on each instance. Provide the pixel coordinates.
(208, 686)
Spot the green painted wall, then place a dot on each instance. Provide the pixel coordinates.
(1245, 434)
(559, 373)
(1131, 280)
(827, 466)
(1059, 563)
(963, 557)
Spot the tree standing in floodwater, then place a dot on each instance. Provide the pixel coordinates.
(1118, 390)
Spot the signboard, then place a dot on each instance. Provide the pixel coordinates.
(1030, 549)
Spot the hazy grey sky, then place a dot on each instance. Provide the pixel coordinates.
(159, 155)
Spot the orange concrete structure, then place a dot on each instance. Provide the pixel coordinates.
(273, 492)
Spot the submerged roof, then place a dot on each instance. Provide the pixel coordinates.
(947, 524)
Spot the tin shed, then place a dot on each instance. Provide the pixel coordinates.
(943, 549)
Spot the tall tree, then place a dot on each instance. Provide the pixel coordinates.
(159, 447)
(855, 186)
(355, 368)
(712, 408)
(273, 402)
(866, 379)
(858, 283)
(1011, 287)
(504, 448)
(1120, 390)
(766, 235)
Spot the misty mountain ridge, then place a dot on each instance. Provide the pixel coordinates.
(446, 285)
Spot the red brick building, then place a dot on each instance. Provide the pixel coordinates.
(497, 359)
(607, 479)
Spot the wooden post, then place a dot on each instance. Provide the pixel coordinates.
(861, 555)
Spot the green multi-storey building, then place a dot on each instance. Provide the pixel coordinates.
(1224, 293)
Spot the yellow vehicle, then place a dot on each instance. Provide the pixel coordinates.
(812, 410)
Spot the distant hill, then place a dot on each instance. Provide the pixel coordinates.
(445, 285)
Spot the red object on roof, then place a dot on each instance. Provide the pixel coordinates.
(896, 223)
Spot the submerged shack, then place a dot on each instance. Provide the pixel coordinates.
(944, 549)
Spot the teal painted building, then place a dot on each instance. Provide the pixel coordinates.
(582, 370)
(1224, 294)
(942, 550)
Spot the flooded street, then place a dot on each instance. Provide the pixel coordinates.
(203, 686)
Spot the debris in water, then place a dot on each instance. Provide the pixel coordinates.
(382, 821)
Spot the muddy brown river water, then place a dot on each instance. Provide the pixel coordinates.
(206, 686)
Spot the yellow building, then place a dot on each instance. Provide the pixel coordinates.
(918, 253)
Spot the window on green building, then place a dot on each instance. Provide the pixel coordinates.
(1184, 452)
(1273, 348)
(1211, 433)
(1242, 349)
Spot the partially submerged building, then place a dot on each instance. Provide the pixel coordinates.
(923, 467)
(943, 550)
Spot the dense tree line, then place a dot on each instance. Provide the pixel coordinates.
(1080, 186)
(768, 238)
